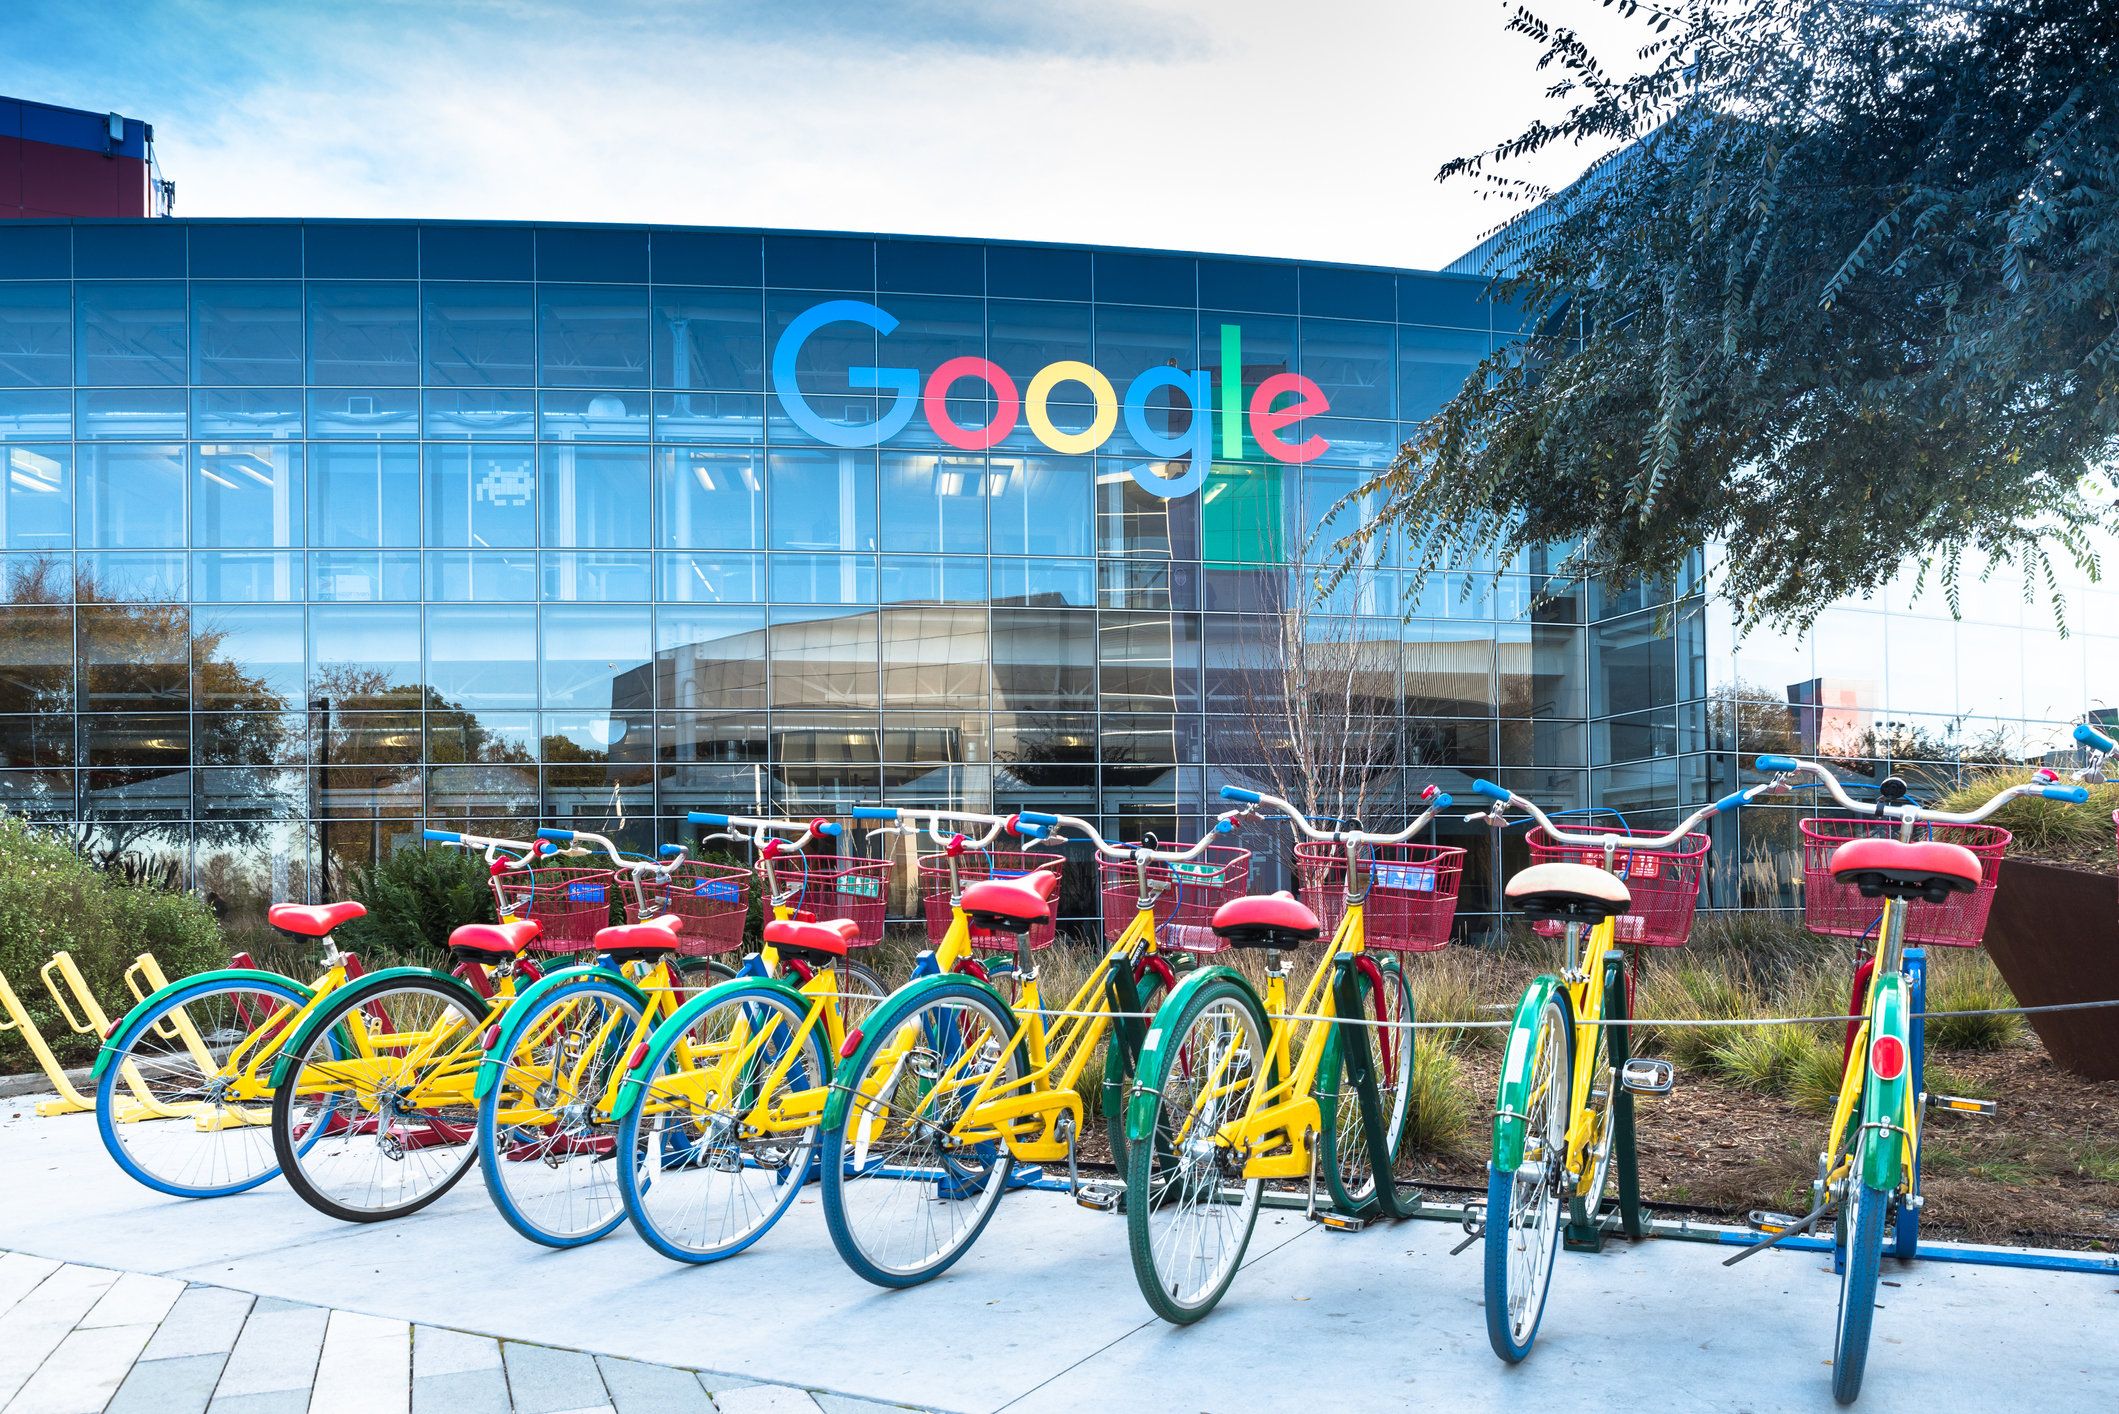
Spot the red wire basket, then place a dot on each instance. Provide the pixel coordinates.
(1412, 898)
(972, 867)
(712, 899)
(832, 886)
(569, 904)
(1838, 909)
(1665, 884)
(1184, 912)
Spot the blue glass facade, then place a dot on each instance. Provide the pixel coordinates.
(318, 532)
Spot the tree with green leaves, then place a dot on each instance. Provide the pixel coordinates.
(1844, 294)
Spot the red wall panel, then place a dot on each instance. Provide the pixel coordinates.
(45, 179)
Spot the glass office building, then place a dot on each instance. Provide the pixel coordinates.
(319, 532)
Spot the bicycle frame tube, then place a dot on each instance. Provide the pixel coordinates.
(1281, 1121)
(1887, 1108)
(1585, 992)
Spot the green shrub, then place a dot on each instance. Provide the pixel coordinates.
(2051, 830)
(414, 897)
(1967, 980)
(51, 899)
(1441, 1110)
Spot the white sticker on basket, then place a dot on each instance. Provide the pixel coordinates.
(1406, 878)
(1643, 866)
(1202, 873)
(1628, 927)
(861, 885)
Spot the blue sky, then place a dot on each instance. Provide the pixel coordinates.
(1307, 129)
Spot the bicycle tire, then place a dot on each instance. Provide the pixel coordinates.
(979, 1178)
(113, 1091)
(1343, 1148)
(582, 1146)
(1158, 1177)
(1857, 1286)
(1512, 1326)
(339, 1012)
(649, 1185)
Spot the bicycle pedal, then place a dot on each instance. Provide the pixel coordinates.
(1642, 1075)
(1101, 1197)
(1963, 1105)
(1770, 1223)
(1339, 1222)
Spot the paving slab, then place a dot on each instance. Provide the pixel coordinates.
(205, 1320)
(45, 1315)
(365, 1366)
(82, 1374)
(542, 1380)
(638, 1388)
(182, 1385)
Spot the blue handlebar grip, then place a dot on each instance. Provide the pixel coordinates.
(445, 836)
(1025, 830)
(2074, 795)
(827, 828)
(2090, 736)
(1487, 788)
(706, 817)
(1779, 763)
(1238, 793)
(669, 849)
(875, 812)
(1442, 801)
(552, 833)
(1035, 817)
(1224, 827)
(1732, 801)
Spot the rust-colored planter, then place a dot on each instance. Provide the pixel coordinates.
(2054, 933)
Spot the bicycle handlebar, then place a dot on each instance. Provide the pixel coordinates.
(673, 853)
(1781, 767)
(1437, 802)
(1504, 797)
(761, 827)
(2089, 736)
(1052, 824)
(906, 820)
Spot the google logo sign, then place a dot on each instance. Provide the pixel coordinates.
(1278, 401)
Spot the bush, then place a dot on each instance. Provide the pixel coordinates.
(1441, 1110)
(2050, 830)
(51, 899)
(414, 897)
(1967, 980)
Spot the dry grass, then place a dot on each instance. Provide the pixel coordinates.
(2050, 830)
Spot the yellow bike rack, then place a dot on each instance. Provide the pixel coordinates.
(92, 1021)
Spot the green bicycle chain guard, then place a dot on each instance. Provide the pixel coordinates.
(1883, 1103)
(1357, 1066)
(494, 1060)
(634, 1085)
(130, 1024)
(885, 1019)
(359, 990)
(1518, 1061)
(1148, 1074)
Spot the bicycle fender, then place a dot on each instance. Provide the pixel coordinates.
(1155, 1059)
(1885, 1103)
(634, 1085)
(511, 1020)
(129, 1025)
(884, 1019)
(1512, 1102)
(360, 990)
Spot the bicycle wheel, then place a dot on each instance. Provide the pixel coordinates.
(182, 1105)
(1857, 1285)
(861, 991)
(547, 1142)
(906, 1194)
(386, 1129)
(707, 1180)
(1525, 1209)
(1118, 1074)
(1189, 1208)
(1343, 1148)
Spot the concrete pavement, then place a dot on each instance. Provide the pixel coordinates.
(1044, 1313)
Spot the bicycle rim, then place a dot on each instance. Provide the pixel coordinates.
(906, 1190)
(1521, 1247)
(380, 1139)
(1189, 1209)
(174, 1107)
(707, 1180)
(546, 1134)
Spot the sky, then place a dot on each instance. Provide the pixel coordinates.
(1310, 129)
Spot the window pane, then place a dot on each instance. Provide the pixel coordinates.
(129, 333)
(595, 576)
(1432, 367)
(247, 494)
(131, 496)
(593, 336)
(709, 339)
(481, 496)
(36, 505)
(710, 579)
(363, 576)
(36, 335)
(1043, 660)
(364, 656)
(479, 336)
(364, 412)
(36, 661)
(146, 577)
(482, 657)
(822, 500)
(365, 333)
(1351, 362)
(249, 413)
(35, 416)
(1042, 505)
(710, 657)
(935, 502)
(134, 657)
(595, 496)
(247, 659)
(825, 661)
(711, 499)
(107, 414)
(459, 576)
(242, 333)
(596, 657)
(363, 494)
(246, 576)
